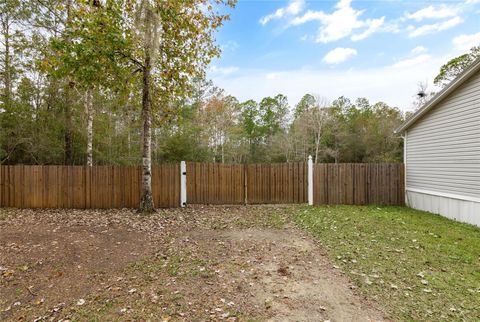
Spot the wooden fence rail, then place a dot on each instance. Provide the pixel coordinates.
(207, 183)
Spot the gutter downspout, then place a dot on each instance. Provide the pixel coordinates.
(404, 136)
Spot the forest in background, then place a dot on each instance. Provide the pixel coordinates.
(64, 101)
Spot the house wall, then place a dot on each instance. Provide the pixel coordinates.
(442, 156)
(447, 206)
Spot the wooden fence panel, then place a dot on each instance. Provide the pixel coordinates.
(276, 183)
(359, 184)
(214, 183)
(165, 185)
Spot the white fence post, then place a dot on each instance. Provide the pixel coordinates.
(310, 181)
(183, 184)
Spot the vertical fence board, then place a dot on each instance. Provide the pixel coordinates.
(318, 189)
(25, 193)
(8, 187)
(129, 173)
(2, 191)
(17, 178)
(350, 184)
(191, 181)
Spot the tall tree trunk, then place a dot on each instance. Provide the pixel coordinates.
(305, 149)
(7, 68)
(89, 115)
(146, 200)
(317, 147)
(223, 154)
(68, 136)
(129, 140)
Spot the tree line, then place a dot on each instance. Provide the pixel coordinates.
(122, 82)
(218, 128)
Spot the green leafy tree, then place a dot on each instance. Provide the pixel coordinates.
(455, 66)
(250, 118)
(84, 55)
(306, 103)
(273, 113)
(169, 42)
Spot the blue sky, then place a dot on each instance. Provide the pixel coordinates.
(375, 49)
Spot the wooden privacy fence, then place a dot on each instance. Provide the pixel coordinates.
(85, 187)
(206, 183)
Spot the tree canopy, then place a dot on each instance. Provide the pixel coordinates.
(455, 66)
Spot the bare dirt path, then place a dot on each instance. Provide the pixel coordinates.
(197, 264)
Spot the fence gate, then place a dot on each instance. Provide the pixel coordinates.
(214, 183)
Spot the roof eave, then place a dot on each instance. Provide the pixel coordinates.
(459, 80)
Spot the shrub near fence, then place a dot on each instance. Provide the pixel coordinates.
(206, 183)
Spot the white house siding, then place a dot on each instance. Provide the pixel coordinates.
(443, 156)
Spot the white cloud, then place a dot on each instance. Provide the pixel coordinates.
(374, 25)
(308, 16)
(432, 12)
(332, 83)
(411, 62)
(271, 76)
(436, 27)
(223, 70)
(419, 50)
(393, 27)
(230, 45)
(465, 42)
(472, 1)
(339, 55)
(293, 8)
(340, 23)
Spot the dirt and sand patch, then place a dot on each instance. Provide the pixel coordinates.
(297, 282)
(199, 263)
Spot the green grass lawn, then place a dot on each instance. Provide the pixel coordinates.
(416, 265)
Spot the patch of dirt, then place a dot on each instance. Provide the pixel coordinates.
(296, 281)
(52, 260)
(200, 263)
